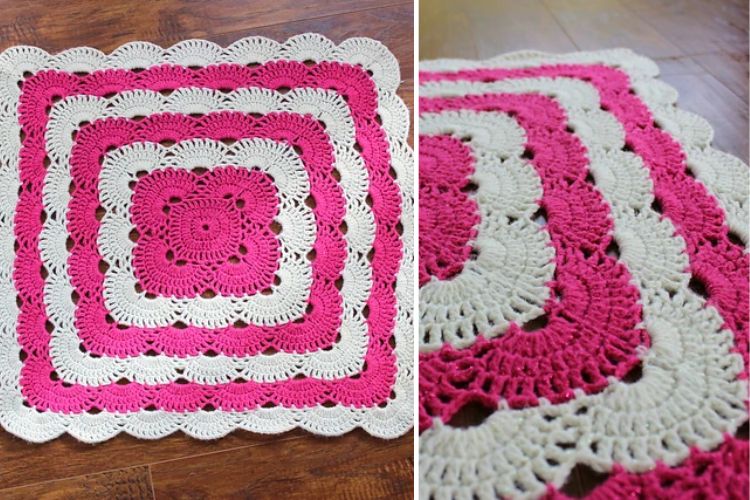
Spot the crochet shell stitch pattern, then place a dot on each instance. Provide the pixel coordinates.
(205, 239)
(583, 274)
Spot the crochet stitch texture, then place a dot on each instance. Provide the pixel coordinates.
(584, 276)
(204, 239)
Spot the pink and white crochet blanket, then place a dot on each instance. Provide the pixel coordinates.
(583, 276)
(205, 239)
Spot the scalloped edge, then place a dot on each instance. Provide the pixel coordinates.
(447, 317)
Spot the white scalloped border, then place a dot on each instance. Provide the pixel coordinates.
(390, 421)
(452, 460)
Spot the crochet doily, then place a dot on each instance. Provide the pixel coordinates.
(583, 277)
(205, 239)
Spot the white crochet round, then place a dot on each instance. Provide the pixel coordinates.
(515, 260)
(689, 394)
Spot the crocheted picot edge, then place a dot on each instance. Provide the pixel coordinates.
(390, 421)
(460, 462)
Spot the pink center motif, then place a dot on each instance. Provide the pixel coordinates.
(205, 232)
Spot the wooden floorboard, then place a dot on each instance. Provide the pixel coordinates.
(352, 466)
(59, 24)
(726, 112)
(601, 24)
(548, 34)
(179, 465)
(132, 483)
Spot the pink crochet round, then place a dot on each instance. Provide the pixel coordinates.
(236, 225)
(593, 312)
(720, 474)
(317, 329)
(202, 232)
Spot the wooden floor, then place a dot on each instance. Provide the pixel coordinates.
(242, 465)
(700, 46)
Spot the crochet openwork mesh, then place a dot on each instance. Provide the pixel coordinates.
(203, 239)
(583, 276)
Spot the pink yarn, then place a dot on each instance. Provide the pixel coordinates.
(318, 329)
(447, 216)
(593, 309)
(39, 384)
(205, 232)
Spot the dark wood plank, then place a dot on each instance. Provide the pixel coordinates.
(353, 466)
(602, 24)
(22, 463)
(132, 484)
(59, 24)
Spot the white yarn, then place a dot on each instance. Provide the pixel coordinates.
(508, 279)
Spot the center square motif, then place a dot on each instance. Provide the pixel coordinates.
(193, 206)
(200, 233)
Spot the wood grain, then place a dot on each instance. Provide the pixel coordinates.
(695, 26)
(59, 24)
(731, 69)
(602, 24)
(445, 31)
(353, 466)
(23, 463)
(725, 111)
(547, 34)
(66, 468)
(133, 483)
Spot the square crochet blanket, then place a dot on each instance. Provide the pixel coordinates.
(204, 239)
(583, 282)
